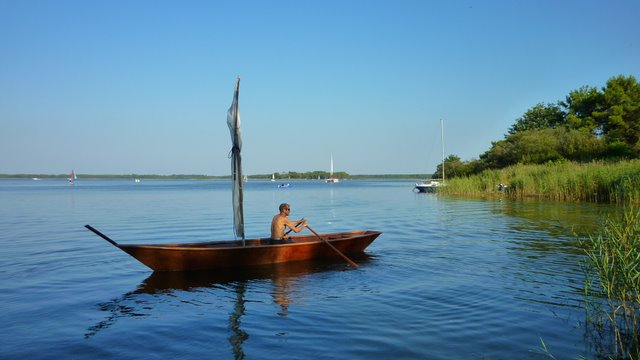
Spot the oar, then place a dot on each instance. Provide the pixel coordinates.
(101, 235)
(290, 230)
(333, 247)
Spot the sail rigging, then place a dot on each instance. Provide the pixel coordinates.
(233, 121)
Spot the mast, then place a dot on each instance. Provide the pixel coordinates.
(442, 142)
(331, 170)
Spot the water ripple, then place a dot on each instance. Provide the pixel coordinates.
(448, 278)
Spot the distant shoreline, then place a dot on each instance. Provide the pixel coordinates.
(207, 177)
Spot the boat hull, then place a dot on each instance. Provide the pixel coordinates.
(428, 186)
(232, 254)
(425, 188)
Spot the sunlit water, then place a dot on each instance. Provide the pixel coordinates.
(448, 279)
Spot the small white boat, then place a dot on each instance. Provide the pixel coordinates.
(429, 186)
(331, 179)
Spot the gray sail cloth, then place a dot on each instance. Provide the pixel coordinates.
(233, 121)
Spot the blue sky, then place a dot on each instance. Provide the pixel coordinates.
(118, 87)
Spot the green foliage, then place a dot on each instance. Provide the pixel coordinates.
(309, 175)
(540, 116)
(590, 124)
(579, 107)
(581, 146)
(612, 288)
(613, 182)
(453, 167)
(539, 146)
(620, 113)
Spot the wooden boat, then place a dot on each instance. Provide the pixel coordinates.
(233, 254)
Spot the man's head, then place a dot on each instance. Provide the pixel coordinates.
(284, 207)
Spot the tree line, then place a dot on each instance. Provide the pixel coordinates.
(589, 124)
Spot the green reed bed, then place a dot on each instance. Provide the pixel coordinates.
(617, 182)
(612, 288)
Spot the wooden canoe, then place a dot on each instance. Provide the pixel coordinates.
(231, 254)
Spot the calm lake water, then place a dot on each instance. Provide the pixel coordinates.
(449, 278)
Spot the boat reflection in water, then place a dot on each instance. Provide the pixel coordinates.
(165, 284)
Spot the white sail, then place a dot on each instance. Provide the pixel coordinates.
(233, 121)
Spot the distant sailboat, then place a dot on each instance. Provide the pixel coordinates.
(273, 177)
(331, 179)
(72, 177)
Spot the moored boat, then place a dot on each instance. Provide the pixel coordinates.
(427, 186)
(431, 185)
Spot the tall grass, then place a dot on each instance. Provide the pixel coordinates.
(617, 182)
(613, 285)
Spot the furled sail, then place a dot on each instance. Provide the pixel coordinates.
(233, 120)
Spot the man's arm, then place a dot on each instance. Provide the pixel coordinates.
(297, 226)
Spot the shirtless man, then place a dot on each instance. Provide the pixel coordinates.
(281, 221)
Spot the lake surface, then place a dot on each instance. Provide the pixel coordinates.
(449, 278)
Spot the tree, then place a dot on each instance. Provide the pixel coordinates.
(453, 167)
(525, 147)
(619, 116)
(581, 146)
(541, 116)
(537, 146)
(580, 107)
(500, 155)
(589, 124)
